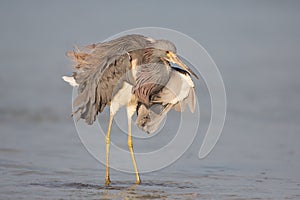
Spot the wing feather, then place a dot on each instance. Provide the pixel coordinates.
(100, 68)
(96, 89)
(172, 96)
(96, 55)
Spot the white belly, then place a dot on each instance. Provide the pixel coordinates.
(121, 98)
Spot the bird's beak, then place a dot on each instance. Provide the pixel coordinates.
(174, 59)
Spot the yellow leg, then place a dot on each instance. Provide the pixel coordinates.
(107, 141)
(130, 111)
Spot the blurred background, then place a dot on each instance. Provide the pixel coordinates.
(256, 46)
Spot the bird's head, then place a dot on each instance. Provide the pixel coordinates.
(166, 50)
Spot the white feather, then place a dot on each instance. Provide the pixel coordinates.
(150, 39)
(70, 80)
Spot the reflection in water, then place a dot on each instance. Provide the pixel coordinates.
(121, 190)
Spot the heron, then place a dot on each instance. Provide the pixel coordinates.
(130, 71)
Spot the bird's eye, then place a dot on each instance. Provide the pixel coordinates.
(167, 52)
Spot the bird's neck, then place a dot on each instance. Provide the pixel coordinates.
(144, 56)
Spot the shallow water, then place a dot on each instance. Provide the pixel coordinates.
(256, 47)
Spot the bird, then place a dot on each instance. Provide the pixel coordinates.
(130, 71)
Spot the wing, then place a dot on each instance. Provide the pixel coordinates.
(99, 69)
(149, 119)
(178, 93)
(95, 55)
(96, 88)
(190, 100)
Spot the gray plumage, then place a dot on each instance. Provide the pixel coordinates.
(101, 67)
(170, 97)
(164, 45)
(96, 55)
(96, 90)
(151, 78)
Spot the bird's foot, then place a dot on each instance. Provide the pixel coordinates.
(138, 181)
(107, 181)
